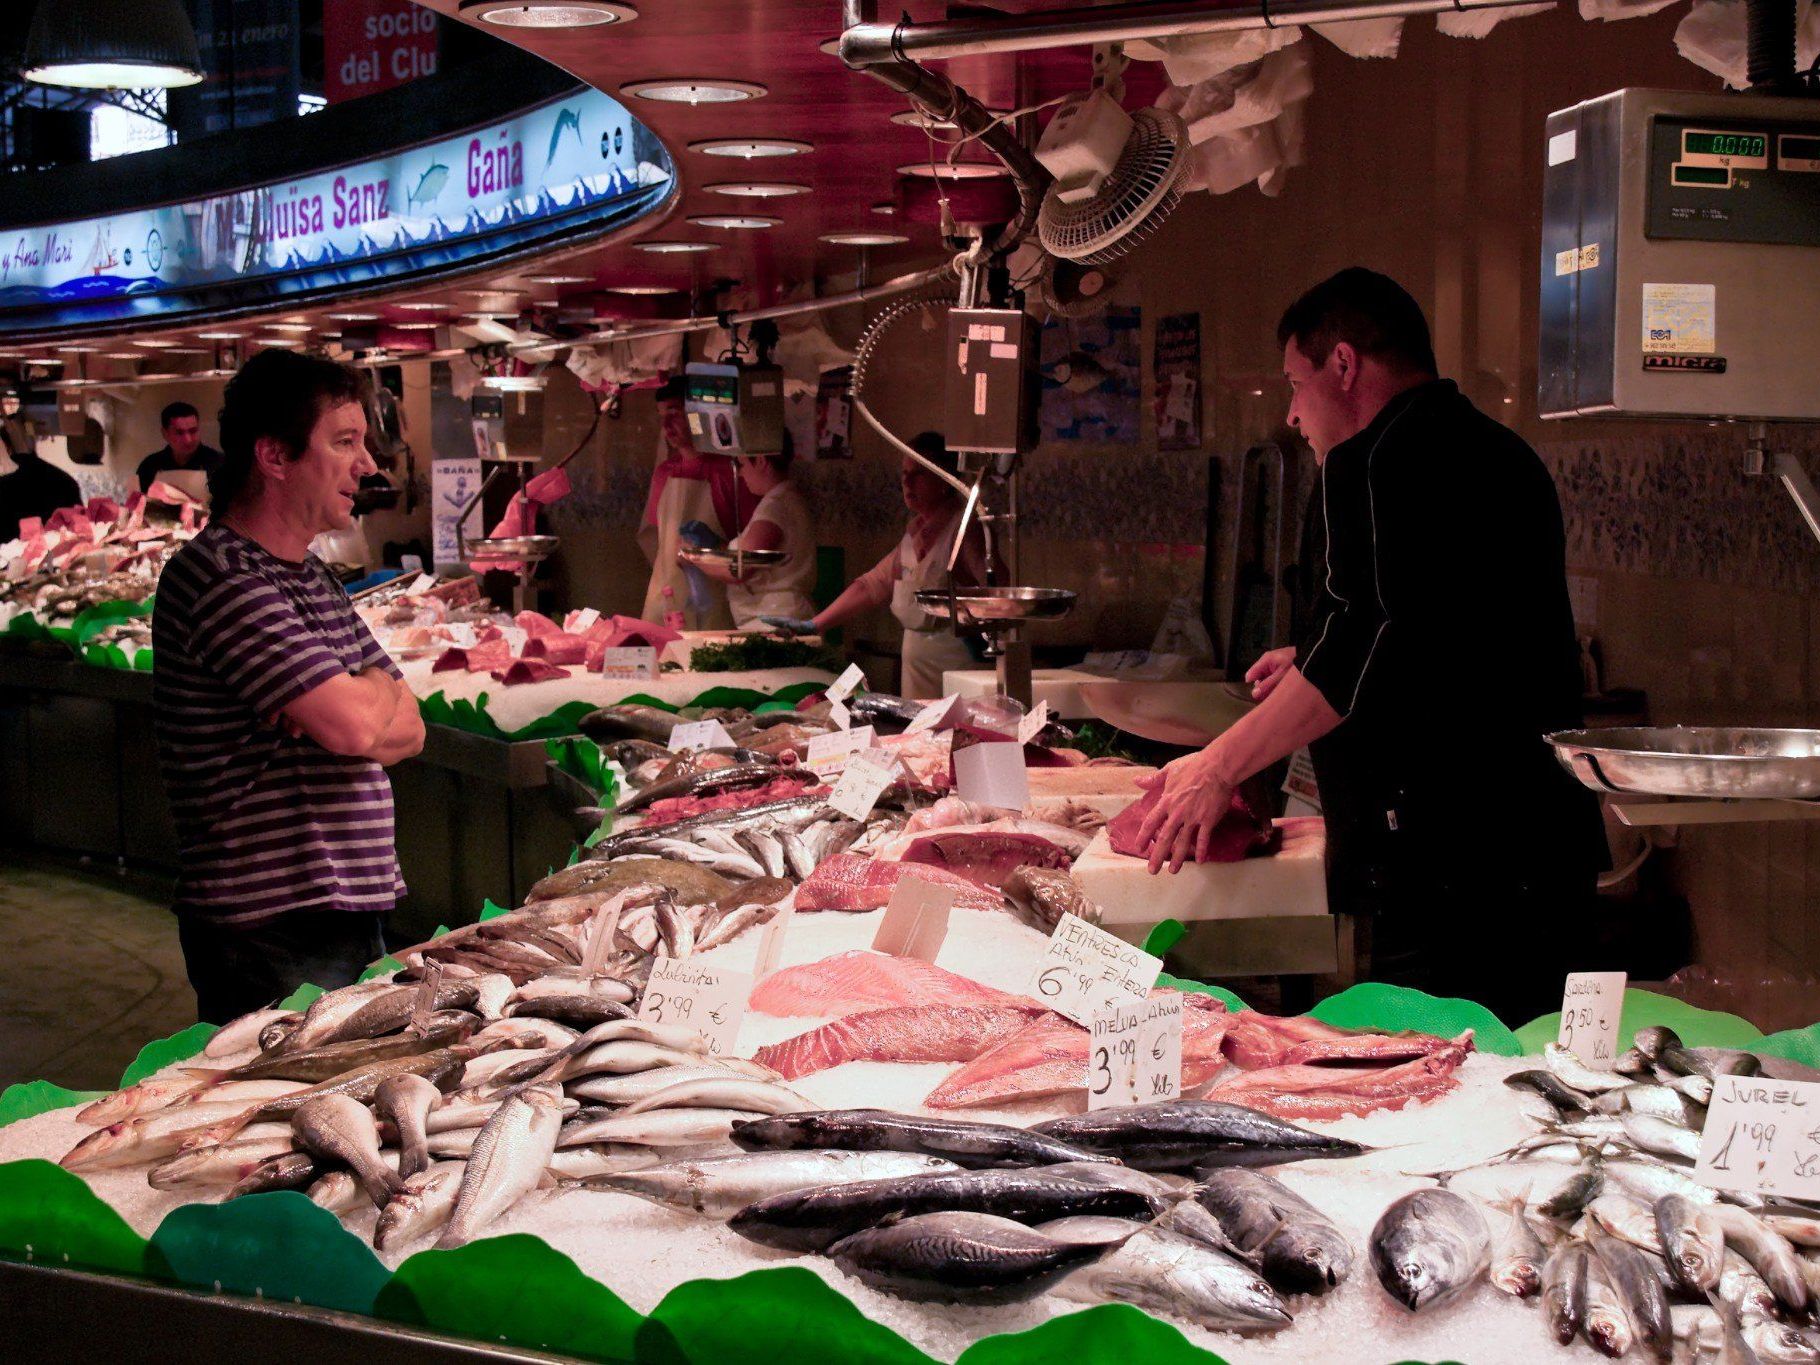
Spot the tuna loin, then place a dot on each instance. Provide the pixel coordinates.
(907, 1033)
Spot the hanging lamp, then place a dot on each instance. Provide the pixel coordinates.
(112, 45)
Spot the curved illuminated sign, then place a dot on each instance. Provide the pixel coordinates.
(574, 167)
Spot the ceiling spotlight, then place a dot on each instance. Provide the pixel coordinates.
(756, 189)
(735, 220)
(417, 326)
(560, 279)
(513, 383)
(219, 336)
(157, 343)
(44, 360)
(112, 45)
(917, 118)
(420, 306)
(123, 355)
(355, 317)
(548, 13)
(864, 238)
(885, 208)
(283, 327)
(749, 147)
(675, 248)
(642, 289)
(959, 170)
(694, 92)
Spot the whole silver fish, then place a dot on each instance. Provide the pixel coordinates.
(405, 1102)
(1660, 1136)
(961, 1257)
(1164, 1272)
(1297, 1246)
(1650, 1181)
(1564, 1288)
(1768, 1252)
(962, 1141)
(1801, 1229)
(1429, 1246)
(507, 1161)
(720, 1186)
(327, 1012)
(1633, 1273)
(242, 1033)
(1627, 1219)
(148, 1096)
(338, 1192)
(1607, 1326)
(637, 1085)
(656, 1128)
(1517, 1255)
(1657, 1101)
(1740, 1287)
(424, 1204)
(1576, 1075)
(162, 1133)
(337, 1128)
(223, 1163)
(290, 1171)
(723, 1092)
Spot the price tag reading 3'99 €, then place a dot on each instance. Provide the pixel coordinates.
(1135, 1056)
(710, 1000)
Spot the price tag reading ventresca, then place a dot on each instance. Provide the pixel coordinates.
(1590, 1010)
(1136, 1053)
(710, 1000)
(1762, 1136)
(1085, 970)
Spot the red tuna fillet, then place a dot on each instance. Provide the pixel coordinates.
(987, 859)
(849, 983)
(852, 881)
(1303, 1093)
(906, 1033)
(1258, 1040)
(1245, 831)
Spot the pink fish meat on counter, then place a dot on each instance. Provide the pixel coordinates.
(852, 881)
(535, 624)
(904, 1033)
(853, 982)
(528, 671)
(1302, 1092)
(557, 648)
(1049, 1057)
(1245, 831)
(986, 858)
(1260, 1040)
(674, 808)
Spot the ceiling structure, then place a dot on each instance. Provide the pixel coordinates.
(848, 168)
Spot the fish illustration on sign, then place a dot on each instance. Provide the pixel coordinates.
(428, 185)
(568, 119)
(1079, 371)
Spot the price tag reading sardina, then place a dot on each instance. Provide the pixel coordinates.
(1762, 1136)
(710, 1000)
(828, 754)
(1085, 970)
(1135, 1056)
(1590, 1010)
(862, 782)
(700, 734)
(629, 663)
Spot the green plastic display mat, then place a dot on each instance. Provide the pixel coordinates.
(518, 1291)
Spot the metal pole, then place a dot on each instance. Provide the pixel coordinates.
(870, 44)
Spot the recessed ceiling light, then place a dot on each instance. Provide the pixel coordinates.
(44, 360)
(355, 317)
(123, 355)
(676, 248)
(694, 91)
(289, 326)
(513, 383)
(219, 336)
(548, 13)
(418, 326)
(422, 307)
(735, 220)
(642, 289)
(560, 279)
(185, 350)
(546, 303)
(864, 238)
(488, 293)
(749, 147)
(917, 118)
(156, 343)
(885, 208)
(756, 189)
(486, 317)
(959, 170)
(80, 350)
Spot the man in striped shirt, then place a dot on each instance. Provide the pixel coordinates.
(276, 711)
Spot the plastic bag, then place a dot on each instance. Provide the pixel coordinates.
(1476, 23)
(1195, 58)
(1712, 37)
(1242, 97)
(1610, 10)
(1364, 37)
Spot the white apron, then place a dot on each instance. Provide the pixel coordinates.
(682, 500)
(931, 647)
(786, 589)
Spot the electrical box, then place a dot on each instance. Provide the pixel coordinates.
(735, 409)
(1681, 257)
(990, 390)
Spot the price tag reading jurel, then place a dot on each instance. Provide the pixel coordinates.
(710, 1000)
(1135, 1056)
(1762, 1136)
(1590, 1010)
(1085, 970)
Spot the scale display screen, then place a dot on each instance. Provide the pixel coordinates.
(712, 388)
(1743, 146)
(1795, 153)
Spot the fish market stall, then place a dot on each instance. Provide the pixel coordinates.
(682, 1101)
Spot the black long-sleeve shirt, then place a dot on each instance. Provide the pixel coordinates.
(1446, 643)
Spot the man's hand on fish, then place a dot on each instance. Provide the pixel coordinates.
(1180, 826)
(1269, 670)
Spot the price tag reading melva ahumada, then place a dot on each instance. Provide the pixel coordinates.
(710, 1000)
(1136, 1053)
(1762, 1136)
(1085, 970)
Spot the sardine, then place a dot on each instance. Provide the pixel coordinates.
(1576, 1075)
(1164, 1272)
(423, 1205)
(1549, 1086)
(337, 1128)
(1651, 1134)
(506, 1162)
(1650, 1181)
(723, 1092)
(405, 1102)
(721, 1186)
(1297, 1246)
(1517, 1255)
(878, 1130)
(1743, 1289)
(1564, 1288)
(1429, 1246)
(1639, 1287)
(1653, 1040)
(1768, 1252)
(1779, 1343)
(1183, 1135)
(1607, 1326)
(1627, 1219)
(1575, 1195)
(1711, 1062)
(1657, 1101)
(960, 1258)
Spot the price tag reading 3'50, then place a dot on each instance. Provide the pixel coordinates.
(1136, 1053)
(710, 1000)
(1085, 970)
(1591, 1006)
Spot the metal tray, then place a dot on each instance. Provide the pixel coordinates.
(733, 559)
(1715, 762)
(998, 604)
(510, 547)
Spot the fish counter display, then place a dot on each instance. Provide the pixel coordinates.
(915, 1133)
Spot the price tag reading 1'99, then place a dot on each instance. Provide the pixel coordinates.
(1135, 1056)
(1762, 1136)
(710, 1000)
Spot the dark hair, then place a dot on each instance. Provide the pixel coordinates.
(1370, 312)
(172, 411)
(933, 448)
(277, 394)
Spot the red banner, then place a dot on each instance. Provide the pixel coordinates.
(373, 45)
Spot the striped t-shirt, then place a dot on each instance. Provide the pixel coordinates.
(265, 823)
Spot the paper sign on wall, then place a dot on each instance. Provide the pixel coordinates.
(916, 919)
(700, 734)
(1136, 1053)
(1763, 1136)
(710, 1000)
(631, 662)
(1590, 1010)
(1085, 969)
(992, 774)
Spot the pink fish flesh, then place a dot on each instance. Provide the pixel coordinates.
(852, 881)
(850, 983)
(905, 1033)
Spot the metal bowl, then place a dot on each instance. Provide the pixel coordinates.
(1711, 761)
(510, 547)
(734, 559)
(998, 604)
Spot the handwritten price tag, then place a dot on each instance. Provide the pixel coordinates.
(710, 1000)
(931, 715)
(828, 754)
(843, 686)
(1031, 725)
(1136, 1053)
(700, 734)
(1085, 970)
(631, 662)
(1590, 1010)
(839, 714)
(916, 920)
(1762, 1136)
(862, 782)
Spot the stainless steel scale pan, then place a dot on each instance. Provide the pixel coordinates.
(1714, 762)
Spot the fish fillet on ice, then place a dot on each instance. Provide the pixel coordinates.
(906, 1033)
(1300, 1091)
(849, 983)
(1256, 1040)
(852, 881)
